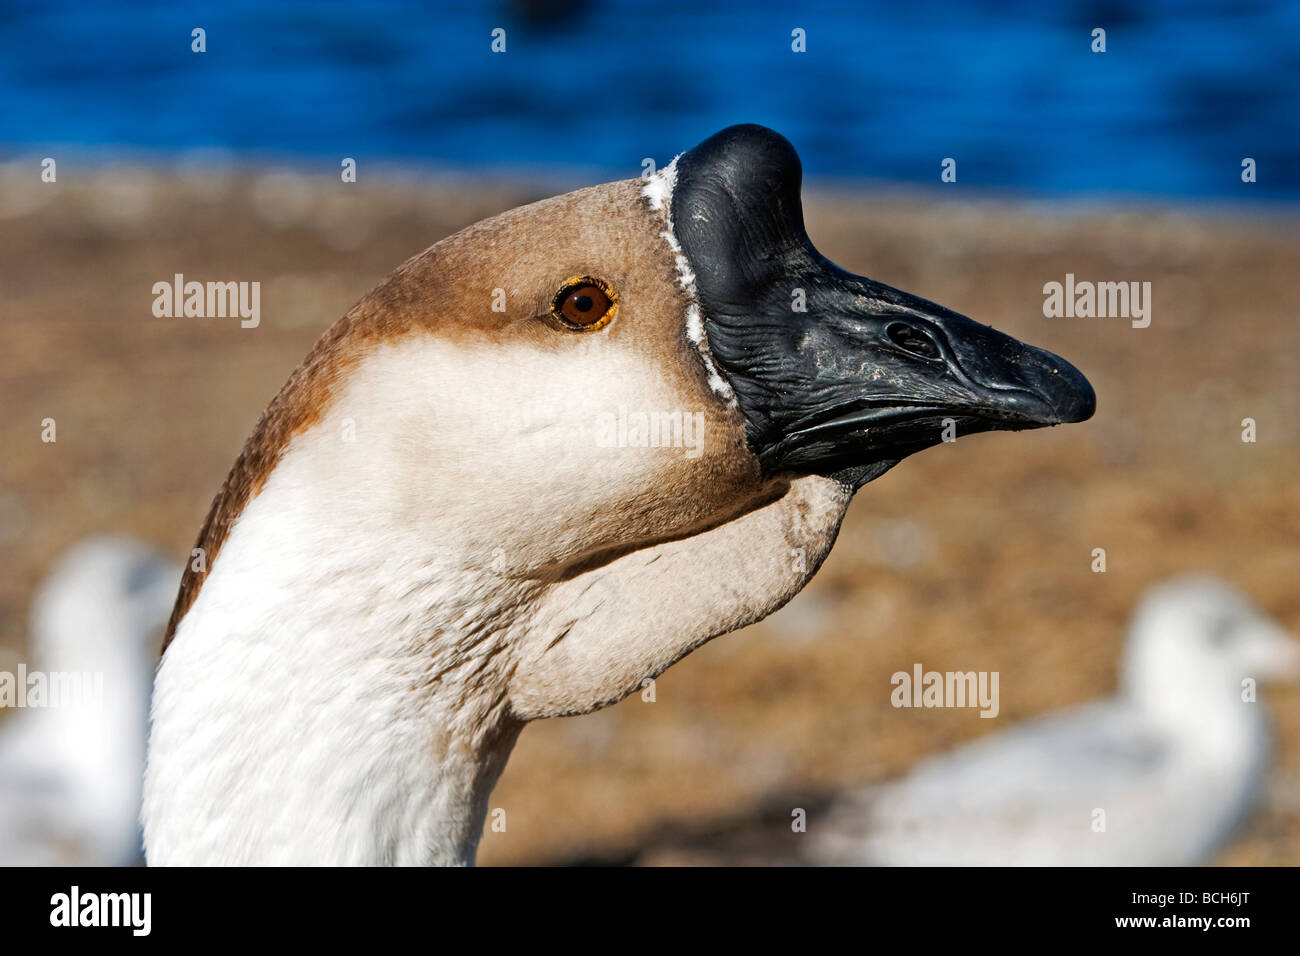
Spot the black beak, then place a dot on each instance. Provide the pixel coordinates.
(836, 373)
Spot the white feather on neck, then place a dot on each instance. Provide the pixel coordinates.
(659, 191)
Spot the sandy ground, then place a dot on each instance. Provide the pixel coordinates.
(973, 556)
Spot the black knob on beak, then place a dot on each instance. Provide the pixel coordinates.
(837, 373)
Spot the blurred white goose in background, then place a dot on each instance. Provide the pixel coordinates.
(70, 775)
(1174, 760)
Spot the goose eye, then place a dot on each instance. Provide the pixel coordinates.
(585, 304)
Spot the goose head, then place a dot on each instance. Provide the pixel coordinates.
(101, 607)
(542, 461)
(1193, 645)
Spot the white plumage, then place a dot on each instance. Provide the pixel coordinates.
(70, 775)
(1159, 774)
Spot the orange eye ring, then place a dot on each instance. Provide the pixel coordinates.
(585, 304)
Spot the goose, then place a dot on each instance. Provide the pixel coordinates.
(1159, 775)
(433, 536)
(70, 771)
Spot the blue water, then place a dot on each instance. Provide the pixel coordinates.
(1010, 90)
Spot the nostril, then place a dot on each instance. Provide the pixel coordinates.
(911, 339)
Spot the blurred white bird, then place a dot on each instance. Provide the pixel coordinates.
(70, 775)
(1159, 774)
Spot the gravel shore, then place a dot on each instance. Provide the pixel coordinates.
(974, 556)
